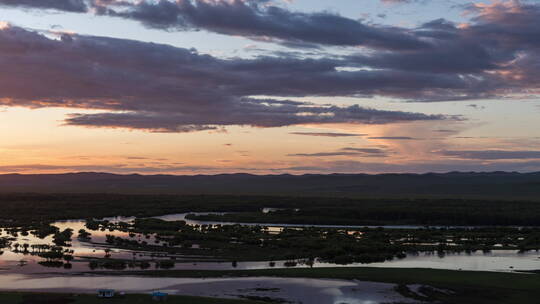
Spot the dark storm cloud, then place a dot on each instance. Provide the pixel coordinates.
(492, 154)
(78, 6)
(166, 89)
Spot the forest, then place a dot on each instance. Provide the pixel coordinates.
(37, 209)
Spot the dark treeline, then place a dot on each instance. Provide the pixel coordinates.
(431, 212)
(34, 209)
(341, 246)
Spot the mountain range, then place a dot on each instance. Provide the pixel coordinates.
(508, 185)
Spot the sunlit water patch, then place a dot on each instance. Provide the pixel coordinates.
(291, 290)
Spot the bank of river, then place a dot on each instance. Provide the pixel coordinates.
(22, 271)
(292, 290)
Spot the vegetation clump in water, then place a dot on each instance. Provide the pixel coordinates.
(334, 245)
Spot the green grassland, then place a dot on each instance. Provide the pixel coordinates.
(52, 298)
(468, 286)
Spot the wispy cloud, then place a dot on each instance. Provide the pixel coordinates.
(347, 151)
(492, 154)
(352, 166)
(327, 134)
(393, 137)
(78, 6)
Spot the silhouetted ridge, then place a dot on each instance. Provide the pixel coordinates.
(452, 184)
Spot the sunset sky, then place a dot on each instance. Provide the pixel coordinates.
(269, 86)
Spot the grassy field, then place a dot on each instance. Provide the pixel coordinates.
(465, 286)
(51, 298)
(468, 286)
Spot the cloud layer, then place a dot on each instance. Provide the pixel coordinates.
(263, 20)
(494, 55)
(326, 134)
(166, 89)
(78, 6)
(492, 154)
(257, 19)
(347, 151)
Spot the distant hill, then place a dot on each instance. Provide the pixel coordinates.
(502, 185)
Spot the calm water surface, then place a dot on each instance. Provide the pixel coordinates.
(294, 290)
(17, 262)
(19, 271)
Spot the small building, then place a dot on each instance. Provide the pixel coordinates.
(159, 296)
(105, 293)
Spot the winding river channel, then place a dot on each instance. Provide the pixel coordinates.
(21, 271)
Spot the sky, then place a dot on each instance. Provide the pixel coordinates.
(269, 86)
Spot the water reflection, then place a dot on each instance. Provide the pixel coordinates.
(496, 260)
(294, 290)
(84, 250)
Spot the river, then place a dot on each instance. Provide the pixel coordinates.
(22, 271)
